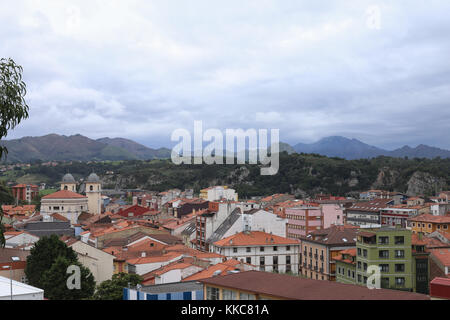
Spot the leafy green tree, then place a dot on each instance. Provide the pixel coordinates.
(13, 108)
(113, 289)
(54, 281)
(42, 257)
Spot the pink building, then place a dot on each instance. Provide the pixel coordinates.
(303, 219)
(333, 213)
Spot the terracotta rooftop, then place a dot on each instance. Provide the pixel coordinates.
(64, 194)
(224, 267)
(254, 238)
(294, 288)
(443, 255)
(431, 219)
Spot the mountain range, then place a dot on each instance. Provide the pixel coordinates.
(350, 149)
(77, 147)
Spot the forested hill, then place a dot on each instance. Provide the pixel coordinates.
(299, 174)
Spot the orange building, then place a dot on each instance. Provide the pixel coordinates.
(428, 223)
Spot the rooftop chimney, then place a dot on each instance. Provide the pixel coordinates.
(143, 254)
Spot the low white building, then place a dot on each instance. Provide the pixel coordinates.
(219, 193)
(266, 251)
(19, 238)
(20, 291)
(99, 262)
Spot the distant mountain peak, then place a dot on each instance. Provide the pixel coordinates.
(338, 146)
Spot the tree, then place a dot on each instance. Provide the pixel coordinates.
(54, 281)
(42, 257)
(13, 108)
(113, 289)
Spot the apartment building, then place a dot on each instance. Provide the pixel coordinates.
(303, 219)
(367, 214)
(403, 265)
(321, 246)
(268, 252)
(428, 223)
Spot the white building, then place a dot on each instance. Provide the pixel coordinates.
(252, 220)
(266, 251)
(99, 262)
(67, 203)
(219, 193)
(20, 291)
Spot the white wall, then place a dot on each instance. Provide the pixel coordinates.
(260, 221)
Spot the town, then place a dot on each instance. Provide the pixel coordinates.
(177, 245)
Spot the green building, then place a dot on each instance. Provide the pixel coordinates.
(403, 263)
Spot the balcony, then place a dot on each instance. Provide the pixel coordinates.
(315, 256)
(321, 258)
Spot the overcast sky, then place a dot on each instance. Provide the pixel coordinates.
(378, 71)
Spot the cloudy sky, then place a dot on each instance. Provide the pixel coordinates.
(378, 71)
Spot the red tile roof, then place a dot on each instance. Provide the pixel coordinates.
(443, 255)
(254, 238)
(431, 219)
(294, 288)
(64, 194)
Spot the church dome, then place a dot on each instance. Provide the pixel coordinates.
(68, 178)
(93, 178)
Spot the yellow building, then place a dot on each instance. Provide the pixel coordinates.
(428, 223)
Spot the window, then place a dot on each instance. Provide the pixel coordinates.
(365, 253)
(275, 248)
(429, 226)
(248, 260)
(275, 260)
(229, 295)
(249, 249)
(384, 254)
(246, 296)
(385, 283)
(399, 253)
(400, 240)
(365, 280)
(384, 267)
(359, 252)
(400, 282)
(288, 259)
(365, 266)
(399, 268)
(288, 248)
(359, 278)
(235, 250)
(212, 293)
(413, 224)
(383, 240)
(353, 274)
(261, 249)
(445, 226)
(359, 264)
(262, 261)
